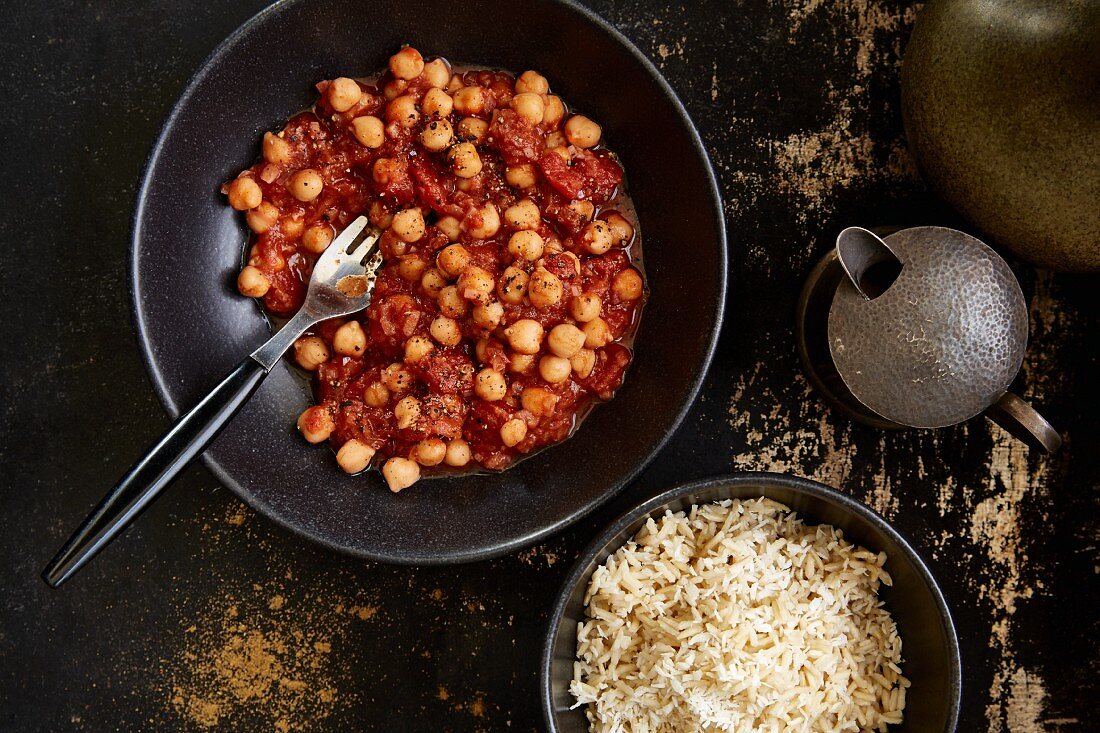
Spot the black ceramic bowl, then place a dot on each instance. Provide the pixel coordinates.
(929, 646)
(187, 247)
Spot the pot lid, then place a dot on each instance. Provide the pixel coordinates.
(930, 327)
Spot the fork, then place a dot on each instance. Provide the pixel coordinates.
(341, 284)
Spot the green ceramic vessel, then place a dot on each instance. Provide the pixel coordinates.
(1001, 102)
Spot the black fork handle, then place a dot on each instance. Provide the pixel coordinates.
(147, 478)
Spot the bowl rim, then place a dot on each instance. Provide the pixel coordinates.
(224, 476)
(798, 484)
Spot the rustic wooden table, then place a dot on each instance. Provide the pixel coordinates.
(207, 614)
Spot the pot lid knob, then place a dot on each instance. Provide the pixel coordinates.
(930, 326)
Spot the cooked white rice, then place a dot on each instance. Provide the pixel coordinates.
(738, 617)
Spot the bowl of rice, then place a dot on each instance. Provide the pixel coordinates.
(751, 602)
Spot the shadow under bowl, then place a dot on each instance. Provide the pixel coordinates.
(187, 249)
(930, 648)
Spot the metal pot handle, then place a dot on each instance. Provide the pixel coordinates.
(1023, 422)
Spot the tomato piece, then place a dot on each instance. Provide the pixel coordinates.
(517, 139)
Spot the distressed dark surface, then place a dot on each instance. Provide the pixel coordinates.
(798, 104)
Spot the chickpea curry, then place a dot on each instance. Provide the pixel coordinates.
(511, 284)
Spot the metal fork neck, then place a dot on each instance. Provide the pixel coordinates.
(269, 354)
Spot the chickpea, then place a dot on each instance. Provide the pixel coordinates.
(437, 103)
(379, 215)
(386, 171)
(532, 82)
(464, 160)
(512, 286)
(524, 214)
(252, 282)
(470, 100)
(310, 352)
(489, 385)
(596, 334)
(262, 218)
(369, 131)
(417, 348)
(555, 111)
(394, 88)
(430, 452)
(582, 132)
(316, 424)
(354, 456)
(305, 185)
(376, 395)
(585, 307)
(627, 284)
(458, 453)
(556, 141)
(433, 281)
(597, 237)
(475, 284)
(436, 135)
(343, 94)
(530, 107)
(521, 363)
(408, 225)
(276, 149)
(450, 226)
(490, 223)
(411, 268)
(403, 111)
(317, 237)
(437, 74)
(397, 247)
(472, 129)
(407, 412)
(538, 401)
(293, 225)
(513, 431)
(446, 331)
(622, 228)
(583, 362)
(395, 378)
(544, 289)
(526, 245)
(451, 302)
(565, 340)
(520, 176)
(525, 336)
(406, 63)
(350, 340)
(585, 210)
(554, 369)
(488, 315)
(452, 260)
(400, 473)
(481, 350)
(244, 194)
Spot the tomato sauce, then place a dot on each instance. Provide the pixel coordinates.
(573, 185)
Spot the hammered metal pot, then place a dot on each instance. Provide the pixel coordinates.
(923, 329)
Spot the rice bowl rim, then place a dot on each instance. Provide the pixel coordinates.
(599, 549)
